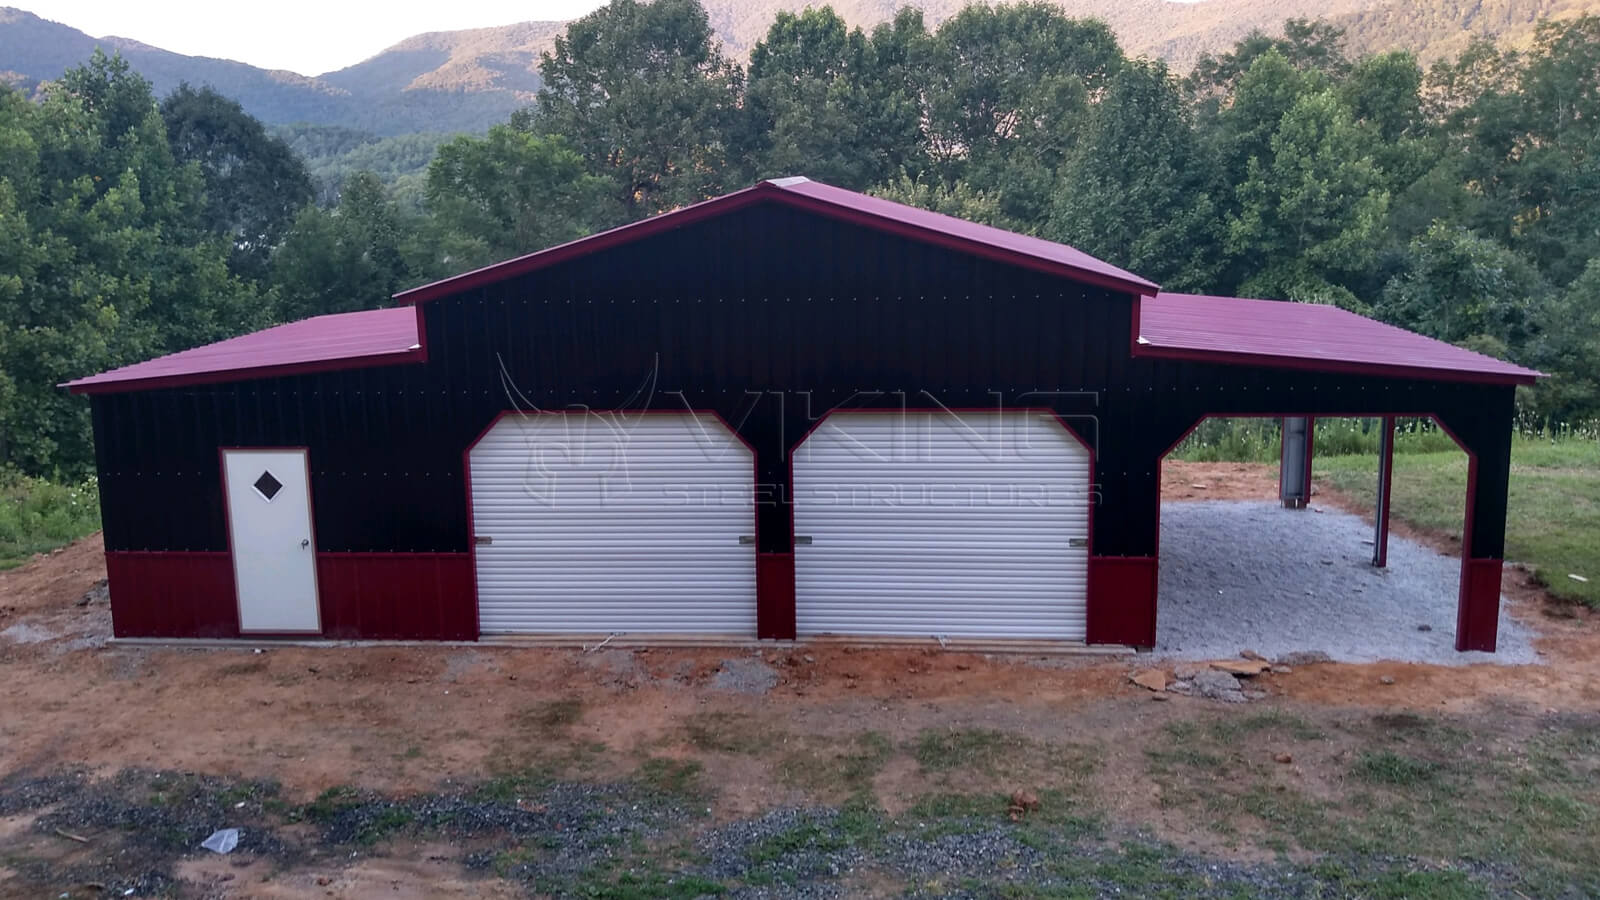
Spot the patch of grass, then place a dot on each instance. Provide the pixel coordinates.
(1416, 786)
(1399, 884)
(1138, 870)
(647, 876)
(650, 886)
(1264, 724)
(1395, 769)
(37, 516)
(794, 839)
(1056, 819)
(672, 777)
(552, 715)
(826, 765)
(520, 757)
(946, 749)
(1553, 513)
(723, 732)
(510, 787)
(384, 825)
(958, 806)
(330, 803)
(859, 823)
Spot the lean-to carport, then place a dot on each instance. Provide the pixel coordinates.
(1283, 340)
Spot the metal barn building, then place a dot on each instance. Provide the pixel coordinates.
(791, 411)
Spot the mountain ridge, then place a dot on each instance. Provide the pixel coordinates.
(445, 81)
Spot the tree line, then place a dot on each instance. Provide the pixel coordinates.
(1461, 200)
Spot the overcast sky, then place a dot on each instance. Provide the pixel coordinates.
(305, 36)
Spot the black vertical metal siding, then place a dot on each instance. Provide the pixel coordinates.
(769, 316)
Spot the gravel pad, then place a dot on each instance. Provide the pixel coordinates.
(1239, 575)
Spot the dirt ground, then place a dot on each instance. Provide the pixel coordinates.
(402, 719)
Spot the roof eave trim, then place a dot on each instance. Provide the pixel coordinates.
(414, 354)
(1143, 348)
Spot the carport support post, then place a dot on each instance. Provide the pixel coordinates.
(1380, 512)
(1484, 430)
(1294, 466)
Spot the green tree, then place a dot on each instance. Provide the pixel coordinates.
(647, 99)
(254, 184)
(815, 104)
(960, 199)
(357, 255)
(1556, 173)
(1458, 287)
(103, 257)
(515, 192)
(1567, 347)
(1305, 45)
(1136, 191)
(1522, 130)
(1243, 129)
(1311, 211)
(1007, 88)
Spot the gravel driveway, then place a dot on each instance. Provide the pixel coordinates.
(1252, 575)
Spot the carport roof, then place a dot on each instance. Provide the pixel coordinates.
(350, 340)
(1304, 336)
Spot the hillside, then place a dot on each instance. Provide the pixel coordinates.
(1181, 32)
(467, 80)
(447, 82)
(34, 50)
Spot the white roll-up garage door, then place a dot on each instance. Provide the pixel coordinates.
(604, 523)
(960, 525)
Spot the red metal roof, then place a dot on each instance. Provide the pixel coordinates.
(1175, 326)
(872, 212)
(1304, 336)
(351, 340)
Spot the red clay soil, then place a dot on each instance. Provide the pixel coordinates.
(409, 717)
(1218, 481)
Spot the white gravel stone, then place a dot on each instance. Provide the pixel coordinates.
(1251, 574)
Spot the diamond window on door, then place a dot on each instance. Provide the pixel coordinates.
(267, 486)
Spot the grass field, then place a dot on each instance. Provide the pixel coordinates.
(37, 516)
(1552, 521)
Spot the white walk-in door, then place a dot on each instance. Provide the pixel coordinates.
(609, 522)
(269, 532)
(958, 525)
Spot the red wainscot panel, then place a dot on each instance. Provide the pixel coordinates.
(1122, 600)
(172, 594)
(397, 596)
(1478, 608)
(775, 596)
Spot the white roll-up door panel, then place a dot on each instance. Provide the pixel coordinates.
(601, 523)
(959, 525)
